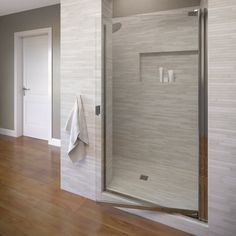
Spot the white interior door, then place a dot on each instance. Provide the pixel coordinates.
(36, 86)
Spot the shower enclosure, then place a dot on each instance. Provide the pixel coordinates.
(154, 111)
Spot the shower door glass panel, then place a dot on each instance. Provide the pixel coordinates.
(151, 120)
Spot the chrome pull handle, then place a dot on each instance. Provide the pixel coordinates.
(25, 89)
(98, 110)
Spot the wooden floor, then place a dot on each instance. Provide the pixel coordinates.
(31, 202)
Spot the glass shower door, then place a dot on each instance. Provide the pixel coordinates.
(151, 125)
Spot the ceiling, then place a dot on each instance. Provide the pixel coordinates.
(13, 6)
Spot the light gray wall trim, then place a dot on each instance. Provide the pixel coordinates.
(29, 20)
(222, 117)
(132, 7)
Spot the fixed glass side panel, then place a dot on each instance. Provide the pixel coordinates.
(150, 110)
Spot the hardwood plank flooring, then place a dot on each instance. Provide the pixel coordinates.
(32, 203)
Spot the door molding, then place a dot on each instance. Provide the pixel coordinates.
(18, 77)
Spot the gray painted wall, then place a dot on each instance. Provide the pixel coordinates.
(131, 7)
(28, 20)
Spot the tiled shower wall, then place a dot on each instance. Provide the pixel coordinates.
(158, 35)
(80, 48)
(222, 117)
(81, 57)
(152, 121)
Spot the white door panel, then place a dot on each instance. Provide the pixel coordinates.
(36, 102)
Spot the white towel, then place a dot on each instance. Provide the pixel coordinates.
(77, 127)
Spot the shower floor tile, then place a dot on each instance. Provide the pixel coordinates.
(166, 186)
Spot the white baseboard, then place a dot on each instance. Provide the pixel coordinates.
(8, 132)
(55, 142)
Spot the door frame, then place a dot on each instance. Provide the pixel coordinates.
(18, 77)
(106, 196)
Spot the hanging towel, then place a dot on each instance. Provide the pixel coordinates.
(76, 126)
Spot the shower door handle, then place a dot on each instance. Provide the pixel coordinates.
(98, 110)
(24, 90)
